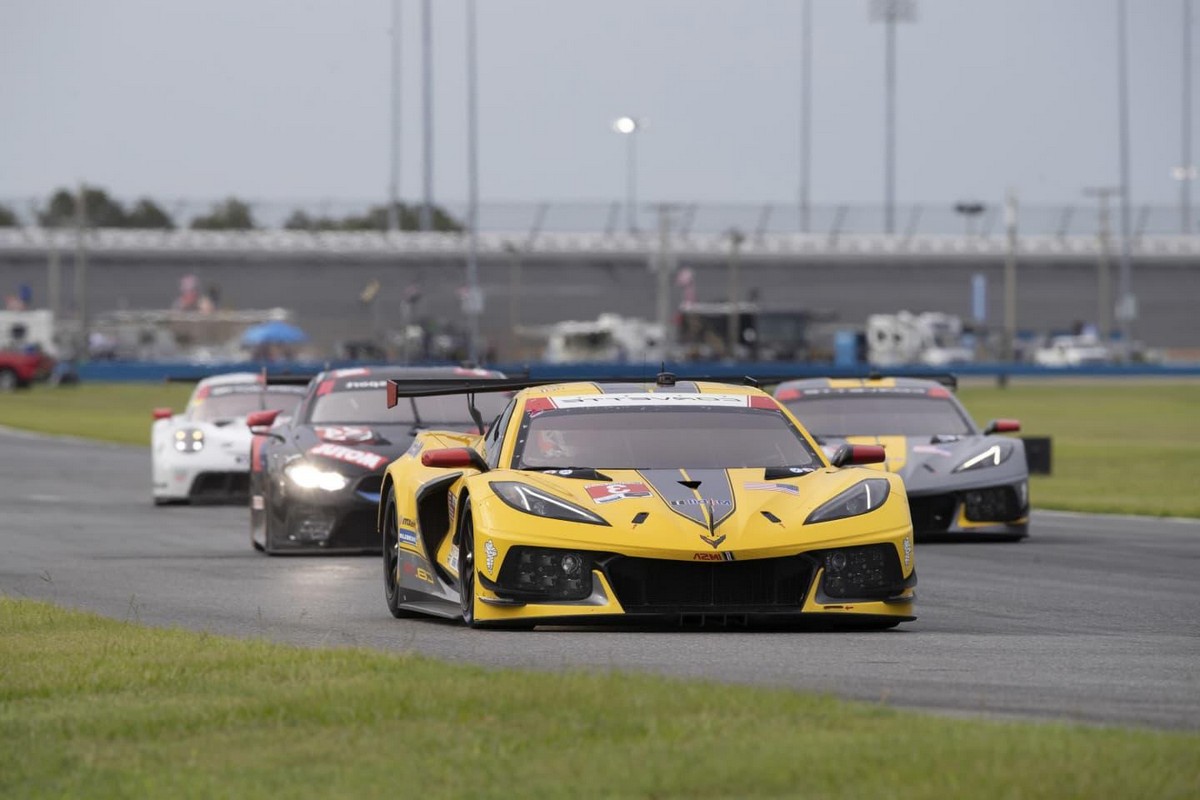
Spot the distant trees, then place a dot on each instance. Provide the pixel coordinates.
(230, 214)
(102, 211)
(376, 219)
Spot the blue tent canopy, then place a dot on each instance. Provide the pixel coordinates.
(275, 332)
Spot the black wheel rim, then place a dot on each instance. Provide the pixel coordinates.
(466, 571)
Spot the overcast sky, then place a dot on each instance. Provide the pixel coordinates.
(289, 99)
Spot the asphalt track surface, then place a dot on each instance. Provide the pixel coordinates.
(1093, 618)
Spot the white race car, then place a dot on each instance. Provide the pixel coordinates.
(203, 454)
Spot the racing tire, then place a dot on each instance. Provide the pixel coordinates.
(466, 567)
(391, 559)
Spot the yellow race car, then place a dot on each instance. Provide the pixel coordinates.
(671, 500)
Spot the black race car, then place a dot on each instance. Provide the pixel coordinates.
(315, 478)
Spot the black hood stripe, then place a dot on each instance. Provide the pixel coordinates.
(713, 499)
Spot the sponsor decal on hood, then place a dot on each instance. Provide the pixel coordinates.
(931, 450)
(345, 433)
(703, 496)
(350, 455)
(771, 486)
(608, 492)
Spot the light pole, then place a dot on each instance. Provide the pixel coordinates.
(736, 237)
(1103, 278)
(805, 114)
(628, 127)
(426, 216)
(393, 215)
(473, 302)
(890, 12)
(1185, 173)
(1126, 304)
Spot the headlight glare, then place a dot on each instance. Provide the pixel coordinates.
(307, 476)
(994, 456)
(524, 497)
(860, 498)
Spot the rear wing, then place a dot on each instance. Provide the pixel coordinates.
(432, 387)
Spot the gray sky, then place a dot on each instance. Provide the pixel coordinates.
(290, 98)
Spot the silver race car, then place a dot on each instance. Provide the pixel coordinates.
(962, 481)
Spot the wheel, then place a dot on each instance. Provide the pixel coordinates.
(8, 380)
(466, 567)
(391, 560)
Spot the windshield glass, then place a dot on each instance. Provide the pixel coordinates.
(661, 438)
(882, 415)
(239, 403)
(370, 405)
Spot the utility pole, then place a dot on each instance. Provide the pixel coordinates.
(805, 115)
(474, 298)
(890, 12)
(1126, 303)
(736, 237)
(1104, 303)
(81, 302)
(665, 268)
(426, 216)
(1010, 278)
(393, 215)
(1186, 172)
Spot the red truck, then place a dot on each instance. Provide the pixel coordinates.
(19, 368)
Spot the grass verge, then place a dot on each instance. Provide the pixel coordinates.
(95, 707)
(1119, 446)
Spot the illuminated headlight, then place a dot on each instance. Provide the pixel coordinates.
(189, 440)
(306, 476)
(524, 497)
(861, 572)
(994, 456)
(860, 498)
(536, 573)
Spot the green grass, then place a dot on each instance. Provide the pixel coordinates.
(113, 412)
(1119, 446)
(98, 708)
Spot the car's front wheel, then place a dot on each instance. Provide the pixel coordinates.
(391, 559)
(466, 567)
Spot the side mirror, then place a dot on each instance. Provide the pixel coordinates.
(1002, 426)
(161, 413)
(856, 454)
(260, 422)
(454, 458)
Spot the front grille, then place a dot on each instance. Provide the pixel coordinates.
(932, 514)
(221, 484)
(998, 503)
(650, 584)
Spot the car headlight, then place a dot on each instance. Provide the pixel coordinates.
(860, 498)
(306, 476)
(189, 440)
(994, 456)
(524, 497)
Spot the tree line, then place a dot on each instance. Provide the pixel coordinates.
(231, 214)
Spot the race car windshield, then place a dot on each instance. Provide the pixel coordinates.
(661, 438)
(370, 406)
(238, 404)
(839, 415)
